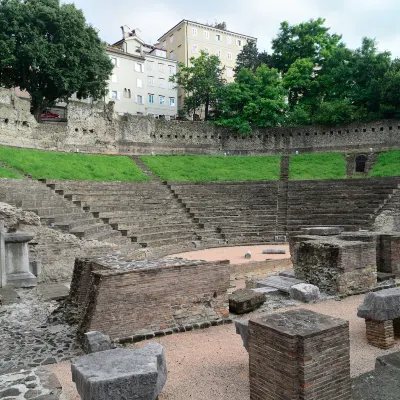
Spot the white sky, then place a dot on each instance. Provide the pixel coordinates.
(354, 19)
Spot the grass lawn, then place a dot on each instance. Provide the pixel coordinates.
(90, 167)
(8, 173)
(214, 168)
(387, 164)
(317, 166)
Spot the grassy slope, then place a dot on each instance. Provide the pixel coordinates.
(317, 166)
(52, 165)
(8, 173)
(214, 168)
(387, 164)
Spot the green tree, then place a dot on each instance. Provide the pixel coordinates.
(251, 59)
(255, 98)
(201, 81)
(309, 40)
(390, 106)
(50, 51)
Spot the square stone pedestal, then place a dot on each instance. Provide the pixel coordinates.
(380, 333)
(299, 354)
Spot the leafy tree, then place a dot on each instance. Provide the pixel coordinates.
(390, 106)
(309, 40)
(251, 59)
(50, 51)
(201, 81)
(255, 98)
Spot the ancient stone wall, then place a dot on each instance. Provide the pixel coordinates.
(96, 128)
(148, 297)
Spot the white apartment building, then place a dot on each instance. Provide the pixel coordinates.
(140, 82)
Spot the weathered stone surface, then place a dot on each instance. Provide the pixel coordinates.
(279, 282)
(121, 374)
(245, 300)
(18, 237)
(323, 230)
(274, 251)
(95, 342)
(381, 306)
(391, 360)
(288, 273)
(266, 289)
(242, 329)
(304, 292)
(247, 256)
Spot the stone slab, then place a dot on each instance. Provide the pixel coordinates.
(266, 290)
(288, 273)
(384, 276)
(121, 374)
(279, 282)
(57, 291)
(18, 237)
(274, 251)
(381, 306)
(391, 360)
(322, 230)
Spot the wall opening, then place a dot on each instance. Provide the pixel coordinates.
(361, 163)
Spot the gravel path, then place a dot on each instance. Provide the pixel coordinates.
(213, 364)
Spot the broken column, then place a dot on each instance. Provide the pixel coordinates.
(299, 354)
(17, 260)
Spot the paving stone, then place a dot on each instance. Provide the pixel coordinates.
(245, 300)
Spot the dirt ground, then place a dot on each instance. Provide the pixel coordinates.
(213, 364)
(236, 255)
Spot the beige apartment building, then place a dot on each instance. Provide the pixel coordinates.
(186, 39)
(140, 82)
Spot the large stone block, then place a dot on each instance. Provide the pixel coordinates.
(381, 306)
(304, 292)
(245, 300)
(121, 374)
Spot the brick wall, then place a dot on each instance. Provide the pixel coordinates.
(124, 303)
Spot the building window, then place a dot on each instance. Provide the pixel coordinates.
(129, 93)
(171, 39)
(139, 83)
(161, 67)
(206, 35)
(115, 61)
(218, 53)
(150, 65)
(151, 98)
(114, 78)
(138, 67)
(171, 55)
(218, 37)
(171, 69)
(114, 95)
(238, 42)
(161, 83)
(161, 99)
(172, 101)
(195, 48)
(228, 40)
(170, 85)
(139, 99)
(194, 31)
(229, 72)
(207, 50)
(230, 56)
(151, 80)
(125, 93)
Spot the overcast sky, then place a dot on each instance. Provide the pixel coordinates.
(354, 19)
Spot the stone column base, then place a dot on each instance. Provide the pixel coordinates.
(22, 280)
(380, 333)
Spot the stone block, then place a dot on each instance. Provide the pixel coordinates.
(381, 306)
(245, 300)
(304, 292)
(274, 251)
(95, 342)
(323, 230)
(242, 329)
(247, 256)
(121, 374)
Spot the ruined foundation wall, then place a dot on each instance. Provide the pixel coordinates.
(122, 304)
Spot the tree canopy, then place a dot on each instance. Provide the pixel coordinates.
(50, 51)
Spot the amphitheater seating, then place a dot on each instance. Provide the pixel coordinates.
(57, 212)
(145, 212)
(351, 203)
(244, 212)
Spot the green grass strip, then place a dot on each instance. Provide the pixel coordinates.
(317, 166)
(90, 167)
(8, 173)
(387, 164)
(214, 168)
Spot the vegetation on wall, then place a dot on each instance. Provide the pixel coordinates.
(214, 168)
(85, 167)
(49, 50)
